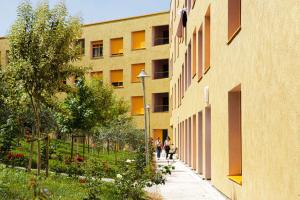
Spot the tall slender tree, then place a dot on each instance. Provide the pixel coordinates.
(43, 47)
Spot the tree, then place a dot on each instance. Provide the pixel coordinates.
(42, 47)
(92, 104)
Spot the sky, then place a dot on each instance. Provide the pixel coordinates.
(89, 10)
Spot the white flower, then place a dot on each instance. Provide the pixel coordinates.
(119, 176)
(128, 161)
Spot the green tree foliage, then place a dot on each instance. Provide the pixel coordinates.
(43, 47)
(92, 104)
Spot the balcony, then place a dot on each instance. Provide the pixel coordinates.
(160, 35)
(160, 69)
(161, 102)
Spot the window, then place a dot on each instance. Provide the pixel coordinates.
(97, 75)
(194, 54)
(160, 35)
(160, 69)
(207, 40)
(135, 71)
(161, 102)
(81, 44)
(116, 77)
(97, 49)
(235, 134)
(189, 67)
(234, 18)
(7, 57)
(200, 53)
(138, 40)
(175, 96)
(175, 49)
(76, 80)
(116, 46)
(185, 77)
(137, 105)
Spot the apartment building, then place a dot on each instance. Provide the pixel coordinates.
(235, 93)
(117, 51)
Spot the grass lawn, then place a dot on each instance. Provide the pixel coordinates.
(15, 184)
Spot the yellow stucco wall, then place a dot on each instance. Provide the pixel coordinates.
(123, 28)
(264, 59)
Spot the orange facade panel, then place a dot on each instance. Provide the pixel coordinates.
(116, 46)
(97, 75)
(137, 105)
(138, 40)
(116, 77)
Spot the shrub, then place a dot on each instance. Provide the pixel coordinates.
(72, 169)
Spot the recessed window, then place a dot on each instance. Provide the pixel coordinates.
(116, 46)
(234, 18)
(116, 77)
(200, 53)
(76, 79)
(207, 40)
(160, 69)
(135, 71)
(189, 65)
(235, 134)
(194, 46)
(81, 44)
(137, 105)
(161, 102)
(7, 57)
(138, 40)
(160, 35)
(185, 77)
(97, 49)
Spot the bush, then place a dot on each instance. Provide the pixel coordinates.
(72, 169)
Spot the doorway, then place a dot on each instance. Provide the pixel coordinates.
(200, 144)
(207, 174)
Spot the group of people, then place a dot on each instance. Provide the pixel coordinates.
(167, 146)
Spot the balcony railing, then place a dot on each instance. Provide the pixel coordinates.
(160, 75)
(161, 108)
(161, 41)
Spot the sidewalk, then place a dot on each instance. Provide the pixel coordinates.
(185, 184)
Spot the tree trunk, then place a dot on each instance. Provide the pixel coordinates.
(47, 156)
(115, 153)
(30, 156)
(88, 143)
(37, 124)
(107, 146)
(83, 146)
(72, 146)
(38, 159)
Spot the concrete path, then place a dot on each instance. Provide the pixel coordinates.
(185, 184)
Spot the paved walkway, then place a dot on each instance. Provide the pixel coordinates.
(185, 184)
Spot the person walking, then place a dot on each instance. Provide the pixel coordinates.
(167, 146)
(158, 148)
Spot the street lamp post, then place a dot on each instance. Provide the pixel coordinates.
(142, 76)
(148, 110)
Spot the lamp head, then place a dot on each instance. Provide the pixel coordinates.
(143, 74)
